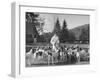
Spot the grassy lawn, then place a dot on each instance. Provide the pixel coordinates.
(48, 44)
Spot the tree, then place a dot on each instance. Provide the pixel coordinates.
(72, 37)
(31, 18)
(57, 28)
(48, 37)
(35, 25)
(64, 25)
(84, 35)
(88, 33)
(32, 22)
(64, 33)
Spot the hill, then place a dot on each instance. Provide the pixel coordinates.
(78, 30)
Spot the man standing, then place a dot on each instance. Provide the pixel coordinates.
(55, 42)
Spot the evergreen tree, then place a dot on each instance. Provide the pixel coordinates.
(72, 37)
(33, 23)
(64, 33)
(64, 25)
(57, 28)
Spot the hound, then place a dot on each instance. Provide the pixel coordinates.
(28, 56)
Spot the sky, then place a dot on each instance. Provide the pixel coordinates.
(72, 20)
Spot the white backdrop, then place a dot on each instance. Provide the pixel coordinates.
(5, 38)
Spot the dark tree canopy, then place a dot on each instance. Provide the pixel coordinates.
(64, 32)
(34, 25)
(31, 18)
(64, 25)
(48, 37)
(84, 35)
(57, 28)
(31, 22)
(72, 37)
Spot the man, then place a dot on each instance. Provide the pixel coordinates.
(55, 42)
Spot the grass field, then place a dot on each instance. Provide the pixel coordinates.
(67, 45)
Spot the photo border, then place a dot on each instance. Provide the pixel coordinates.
(17, 64)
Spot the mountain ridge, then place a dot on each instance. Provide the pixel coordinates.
(78, 30)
